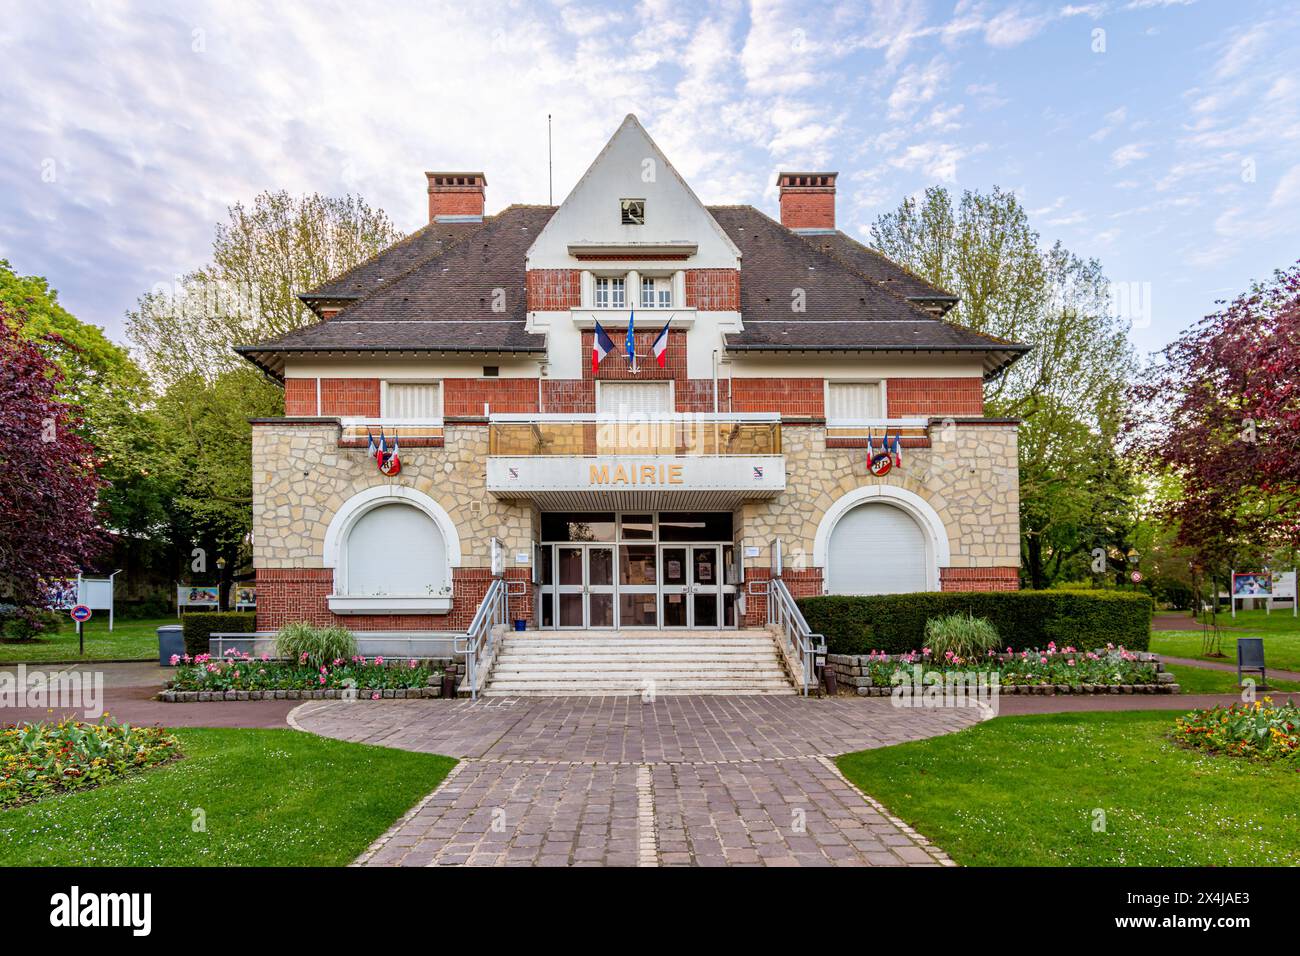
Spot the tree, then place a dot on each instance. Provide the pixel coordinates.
(1075, 491)
(98, 377)
(262, 258)
(47, 475)
(1220, 413)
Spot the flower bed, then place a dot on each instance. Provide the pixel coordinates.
(1054, 670)
(240, 676)
(39, 760)
(1258, 731)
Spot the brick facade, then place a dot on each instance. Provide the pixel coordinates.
(286, 596)
(803, 582)
(355, 397)
(300, 396)
(456, 194)
(807, 200)
(570, 396)
(554, 290)
(465, 397)
(616, 367)
(795, 397)
(979, 579)
(713, 290)
(908, 397)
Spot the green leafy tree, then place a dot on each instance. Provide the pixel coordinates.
(263, 256)
(1075, 490)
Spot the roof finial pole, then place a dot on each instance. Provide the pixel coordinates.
(550, 165)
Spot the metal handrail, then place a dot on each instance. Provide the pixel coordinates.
(783, 612)
(478, 639)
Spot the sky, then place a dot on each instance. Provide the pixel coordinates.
(1159, 136)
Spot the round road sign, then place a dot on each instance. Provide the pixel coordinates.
(80, 613)
(1136, 577)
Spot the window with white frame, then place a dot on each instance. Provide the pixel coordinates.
(853, 403)
(656, 292)
(643, 398)
(413, 401)
(610, 292)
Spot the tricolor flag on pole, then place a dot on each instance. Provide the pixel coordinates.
(898, 449)
(383, 449)
(870, 452)
(631, 339)
(601, 345)
(660, 347)
(394, 461)
(371, 449)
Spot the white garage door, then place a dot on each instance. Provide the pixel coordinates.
(396, 550)
(876, 549)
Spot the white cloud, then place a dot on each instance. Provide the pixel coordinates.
(918, 85)
(1127, 154)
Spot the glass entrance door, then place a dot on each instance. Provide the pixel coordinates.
(705, 581)
(674, 560)
(584, 585)
(692, 585)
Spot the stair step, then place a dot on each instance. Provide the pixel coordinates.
(627, 684)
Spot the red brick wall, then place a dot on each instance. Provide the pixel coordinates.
(300, 396)
(301, 594)
(696, 394)
(573, 396)
(350, 396)
(934, 396)
(465, 396)
(802, 583)
(616, 367)
(713, 290)
(456, 194)
(553, 290)
(796, 397)
(976, 579)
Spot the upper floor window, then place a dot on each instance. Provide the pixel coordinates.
(413, 401)
(610, 292)
(850, 403)
(656, 292)
(633, 211)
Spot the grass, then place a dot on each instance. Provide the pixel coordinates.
(130, 640)
(1202, 680)
(1281, 650)
(268, 798)
(1027, 791)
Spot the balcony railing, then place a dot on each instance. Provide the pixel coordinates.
(586, 435)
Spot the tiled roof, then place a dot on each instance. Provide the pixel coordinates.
(878, 268)
(435, 292)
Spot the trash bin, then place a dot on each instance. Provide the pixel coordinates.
(171, 642)
(521, 624)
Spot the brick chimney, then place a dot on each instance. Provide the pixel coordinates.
(807, 201)
(456, 196)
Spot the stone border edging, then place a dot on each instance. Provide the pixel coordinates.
(362, 694)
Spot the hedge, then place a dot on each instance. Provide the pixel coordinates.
(197, 626)
(895, 623)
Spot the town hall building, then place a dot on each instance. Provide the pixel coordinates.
(469, 407)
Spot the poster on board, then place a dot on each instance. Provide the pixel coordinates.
(1251, 584)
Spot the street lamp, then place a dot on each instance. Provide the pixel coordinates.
(1133, 556)
(221, 564)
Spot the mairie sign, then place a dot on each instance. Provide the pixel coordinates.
(756, 476)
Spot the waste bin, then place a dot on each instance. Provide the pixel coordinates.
(171, 642)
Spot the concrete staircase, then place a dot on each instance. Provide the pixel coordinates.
(631, 662)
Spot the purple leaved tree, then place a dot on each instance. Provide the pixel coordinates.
(48, 484)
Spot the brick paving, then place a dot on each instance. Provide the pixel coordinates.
(610, 781)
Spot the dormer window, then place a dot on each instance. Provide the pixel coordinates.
(610, 292)
(633, 211)
(656, 292)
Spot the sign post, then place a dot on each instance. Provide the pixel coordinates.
(80, 614)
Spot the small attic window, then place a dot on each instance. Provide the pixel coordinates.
(633, 211)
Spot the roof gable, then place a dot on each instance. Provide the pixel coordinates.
(631, 166)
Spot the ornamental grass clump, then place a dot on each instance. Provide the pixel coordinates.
(962, 635)
(315, 646)
(1256, 731)
(39, 760)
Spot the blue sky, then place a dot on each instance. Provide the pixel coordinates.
(1160, 136)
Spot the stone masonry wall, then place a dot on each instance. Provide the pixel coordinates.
(969, 475)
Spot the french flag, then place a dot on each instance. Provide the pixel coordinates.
(659, 348)
(601, 345)
(898, 449)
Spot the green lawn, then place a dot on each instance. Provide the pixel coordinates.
(1025, 791)
(1281, 650)
(269, 797)
(1202, 680)
(130, 640)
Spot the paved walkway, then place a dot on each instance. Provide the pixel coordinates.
(611, 781)
(1224, 666)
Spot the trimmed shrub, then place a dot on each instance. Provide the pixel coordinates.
(29, 623)
(963, 635)
(319, 646)
(198, 626)
(895, 623)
